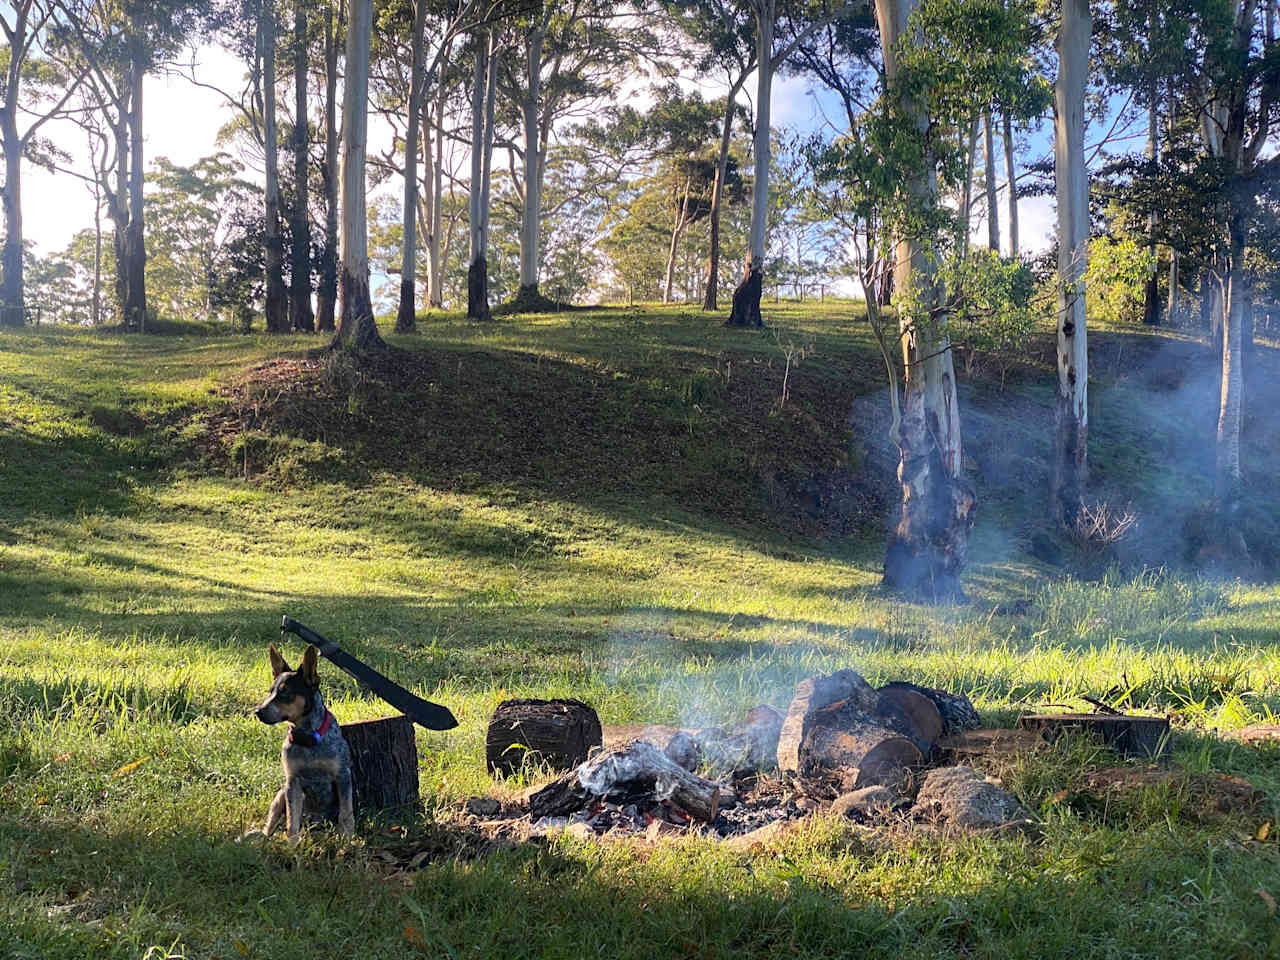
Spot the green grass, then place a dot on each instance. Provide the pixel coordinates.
(640, 565)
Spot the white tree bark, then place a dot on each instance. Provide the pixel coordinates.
(357, 326)
(966, 199)
(929, 545)
(989, 172)
(1070, 474)
(406, 315)
(1011, 176)
(531, 217)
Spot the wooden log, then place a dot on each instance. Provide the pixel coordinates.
(921, 712)
(384, 764)
(1131, 736)
(988, 744)
(852, 753)
(559, 733)
(955, 708)
(637, 767)
(812, 695)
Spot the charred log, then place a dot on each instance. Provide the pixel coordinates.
(639, 766)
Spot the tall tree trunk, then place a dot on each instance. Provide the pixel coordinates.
(431, 179)
(406, 315)
(966, 198)
(989, 174)
(327, 294)
(710, 297)
(118, 211)
(356, 327)
(530, 218)
(1231, 406)
(676, 229)
(928, 546)
(276, 305)
(478, 270)
(435, 293)
(1011, 176)
(135, 251)
(97, 253)
(1070, 462)
(1151, 293)
(1172, 310)
(300, 257)
(12, 295)
(746, 298)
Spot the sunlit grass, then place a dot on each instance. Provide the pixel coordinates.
(138, 591)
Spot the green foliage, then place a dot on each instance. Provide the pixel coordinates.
(991, 310)
(1116, 279)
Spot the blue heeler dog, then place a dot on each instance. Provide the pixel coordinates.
(316, 760)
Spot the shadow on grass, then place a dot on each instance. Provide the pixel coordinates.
(74, 891)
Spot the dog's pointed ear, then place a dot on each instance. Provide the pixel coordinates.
(278, 666)
(308, 668)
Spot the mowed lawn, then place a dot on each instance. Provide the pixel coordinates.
(142, 575)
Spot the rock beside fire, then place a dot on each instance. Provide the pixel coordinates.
(867, 804)
(963, 797)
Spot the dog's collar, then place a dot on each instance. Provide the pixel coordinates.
(314, 735)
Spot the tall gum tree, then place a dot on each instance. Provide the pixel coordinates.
(300, 314)
(1071, 410)
(35, 87)
(356, 327)
(928, 546)
(806, 19)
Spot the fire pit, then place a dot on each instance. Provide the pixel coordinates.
(864, 752)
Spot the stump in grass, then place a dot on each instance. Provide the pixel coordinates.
(384, 764)
(559, 733)
(1136, 736)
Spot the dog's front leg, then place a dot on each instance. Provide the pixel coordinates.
(346, 812)
(275, 812)
(295, 800)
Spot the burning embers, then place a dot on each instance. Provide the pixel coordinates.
(865, 751)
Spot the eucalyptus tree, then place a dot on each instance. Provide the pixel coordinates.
(36, 88)
(327, 289)
(721, 32)
(301, 316)
(277, 307)
(483, 101)
(798, 20)
(1071, 410)
(574, 56)
(118, 42)
(356, 327)
(886, 177)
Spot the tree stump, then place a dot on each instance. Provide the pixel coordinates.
(384, 764)
(559, 733)
(1138, 736)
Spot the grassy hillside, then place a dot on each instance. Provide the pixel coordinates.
(614, 505)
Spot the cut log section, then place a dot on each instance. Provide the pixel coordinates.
(558, 733)
(384, 764)
(811, 696)
(848, 755)
(1132, 736)
(637, 767)
(955, 708)
(921, 712)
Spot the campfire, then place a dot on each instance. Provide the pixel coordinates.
(869, 754)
